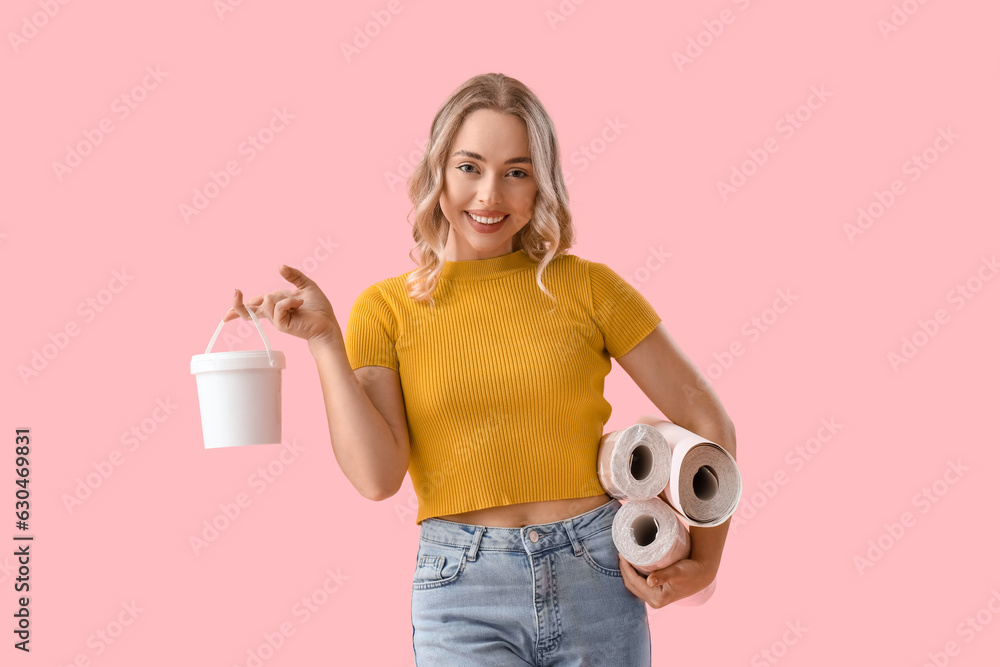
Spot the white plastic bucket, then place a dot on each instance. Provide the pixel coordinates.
(239, 394)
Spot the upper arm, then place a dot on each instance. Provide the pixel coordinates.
(634, 335)
(370, 342)
(386, 394)
(668, 378)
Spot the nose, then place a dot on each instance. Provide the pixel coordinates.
(490, 192)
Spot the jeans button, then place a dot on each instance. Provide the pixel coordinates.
(533, 536)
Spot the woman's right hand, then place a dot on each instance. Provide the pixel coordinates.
(304, 312)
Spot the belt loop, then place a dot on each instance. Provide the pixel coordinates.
(577, 549)
(476, 539)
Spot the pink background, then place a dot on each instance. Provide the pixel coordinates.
(317, 197)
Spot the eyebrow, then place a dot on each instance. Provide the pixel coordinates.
(477, 156)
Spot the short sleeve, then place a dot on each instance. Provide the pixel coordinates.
(371, 336)
(621, 312)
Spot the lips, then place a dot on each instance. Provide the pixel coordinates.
(486, 228)
(487, 214)
(503, 219)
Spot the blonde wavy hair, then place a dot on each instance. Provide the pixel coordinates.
(547, 235)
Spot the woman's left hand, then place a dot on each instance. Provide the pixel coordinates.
(674, 582)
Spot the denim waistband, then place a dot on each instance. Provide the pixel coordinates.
(534, 538)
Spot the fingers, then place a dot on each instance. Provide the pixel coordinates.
(667, 574)
(657, 577)
(294, 276)
(238, 310)
(627, 576)
(283, 308)
(633, 580)
(263, 306)
(656, 596)
(268, 302)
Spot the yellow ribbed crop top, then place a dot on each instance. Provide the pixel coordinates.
(504, 399)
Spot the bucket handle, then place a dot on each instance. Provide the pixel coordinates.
(267, 344)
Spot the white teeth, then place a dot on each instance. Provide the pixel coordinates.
(486, 221)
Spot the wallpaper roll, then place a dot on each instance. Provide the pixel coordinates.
(705, 483)
(634, 463)
(648, 534)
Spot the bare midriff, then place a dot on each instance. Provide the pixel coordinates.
(526, 514)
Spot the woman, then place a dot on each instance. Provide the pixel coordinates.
(502, 375)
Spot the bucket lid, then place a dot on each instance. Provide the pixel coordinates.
(237, 360)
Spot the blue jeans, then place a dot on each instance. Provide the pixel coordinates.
(545, 595)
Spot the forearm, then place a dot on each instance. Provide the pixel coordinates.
(707, 543)
(363, 443)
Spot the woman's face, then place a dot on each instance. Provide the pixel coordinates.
(488, 174)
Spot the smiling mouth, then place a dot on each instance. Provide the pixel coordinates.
(487, 221)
